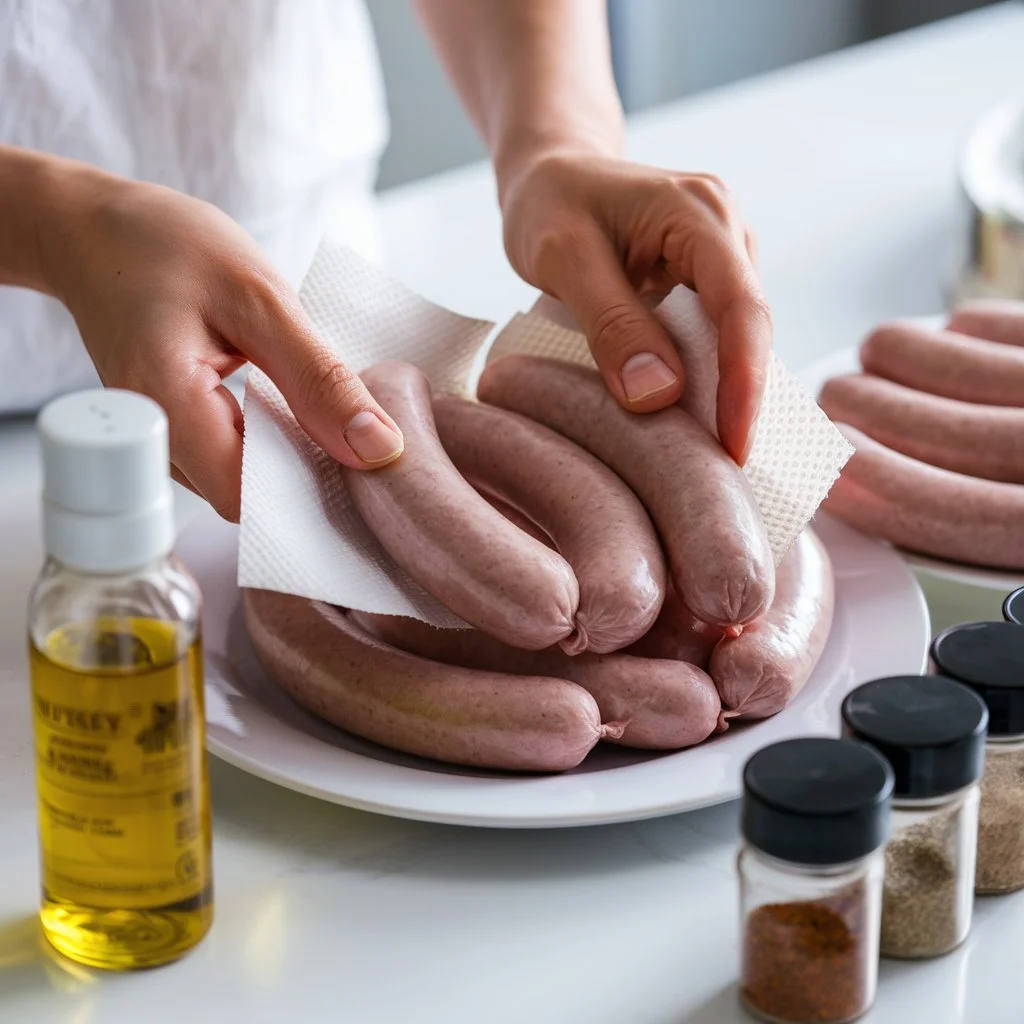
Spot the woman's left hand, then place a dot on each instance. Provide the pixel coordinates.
(610, 239)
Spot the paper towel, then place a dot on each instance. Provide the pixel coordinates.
(299, 533)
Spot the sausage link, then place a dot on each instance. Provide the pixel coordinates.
(933, 511)
(759, 672)
(448, 538)
(999, 320)
(658, 705)
(677, 635)
(947, 364)
(979, 440)
(699, 499)
(595, 521)
(330, 666)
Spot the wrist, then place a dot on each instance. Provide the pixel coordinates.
(70, 194)
(521, 153)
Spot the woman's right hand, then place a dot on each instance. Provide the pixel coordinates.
(171, 296)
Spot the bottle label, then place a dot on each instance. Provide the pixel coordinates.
(123, 805)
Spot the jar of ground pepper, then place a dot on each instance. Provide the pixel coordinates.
(931, 730)
(989, 658)
(1013, 607)
(815, 817)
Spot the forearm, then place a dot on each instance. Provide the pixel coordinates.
(535, 75)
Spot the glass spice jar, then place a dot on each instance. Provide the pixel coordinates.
(815, 817)
(1013, 607)
(931, 730)
(989, 658)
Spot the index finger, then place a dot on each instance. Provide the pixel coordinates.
(725, 281)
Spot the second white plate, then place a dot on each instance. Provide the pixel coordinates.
(881, 628)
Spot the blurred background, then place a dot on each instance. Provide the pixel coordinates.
(662, 50)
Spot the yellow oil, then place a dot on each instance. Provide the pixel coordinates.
(124, 811)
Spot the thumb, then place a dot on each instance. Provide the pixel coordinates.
(640, 365)
(327, 398)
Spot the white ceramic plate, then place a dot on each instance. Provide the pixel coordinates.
(813, 379)
(881, 628)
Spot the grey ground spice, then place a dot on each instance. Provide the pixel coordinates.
(1001, 823)
(920, 908)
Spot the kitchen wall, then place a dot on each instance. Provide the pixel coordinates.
(663, 49)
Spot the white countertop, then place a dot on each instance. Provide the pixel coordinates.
(845, 167)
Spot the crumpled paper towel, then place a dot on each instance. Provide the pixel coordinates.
(299, 533)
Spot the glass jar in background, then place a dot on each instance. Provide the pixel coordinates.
(815, 817)
(931, 730)
(1013, 607)
(989, 658)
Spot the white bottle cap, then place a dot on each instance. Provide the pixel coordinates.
(107, 501)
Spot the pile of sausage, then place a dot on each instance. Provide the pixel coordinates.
(614, 570)
(937, 418)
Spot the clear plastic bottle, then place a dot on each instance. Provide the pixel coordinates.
(932, 732)
(989, 658)
(815, 819)
(117, 692)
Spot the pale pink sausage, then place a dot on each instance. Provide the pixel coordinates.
(944, 363)
(762, 670)
(336, 670)
(999, 320)
(930, 510)
(595, 521)
(979, 440)
(448, 538)
(678, 635)
(699, 499)
(660, 705)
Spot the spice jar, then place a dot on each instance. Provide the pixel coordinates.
(815, 818)
(989, 658)
(931, 730)
(1013, 607)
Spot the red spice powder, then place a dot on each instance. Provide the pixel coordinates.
(806, 962)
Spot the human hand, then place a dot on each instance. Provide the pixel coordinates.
(171, 296)
(611, 239)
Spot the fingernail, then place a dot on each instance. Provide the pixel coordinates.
(372, 439)
(644, 375)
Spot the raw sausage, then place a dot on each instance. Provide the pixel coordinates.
(979, 440)
(922, 508)
(336, 670)
(678, 635)
(699, 499)
(448, 538)
(999, 320)
(660, 705)
(595, 521)
(759, 672)
(944, 363)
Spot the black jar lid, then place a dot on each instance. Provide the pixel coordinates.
(930, 729)
(989, 658)
(1013, 607)
(816, 801)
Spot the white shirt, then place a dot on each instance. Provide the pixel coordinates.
(271, 109)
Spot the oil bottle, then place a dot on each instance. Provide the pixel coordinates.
(117, 694)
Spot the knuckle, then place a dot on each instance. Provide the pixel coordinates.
(712, 193)
(557, 247)
(325, 381)
(615, 326)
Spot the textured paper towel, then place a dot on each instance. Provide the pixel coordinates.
(299, 533)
